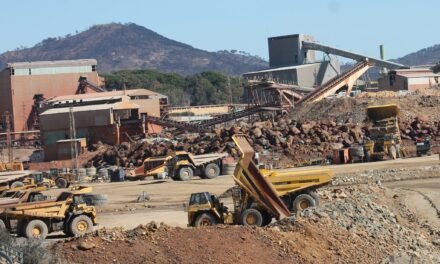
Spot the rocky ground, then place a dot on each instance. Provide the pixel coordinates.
(310, 132)
(359, 221)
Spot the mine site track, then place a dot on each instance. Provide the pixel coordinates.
(427, 198)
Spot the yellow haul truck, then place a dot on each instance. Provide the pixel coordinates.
(384, 134)
(68, 212)
(181, 165)
(184, 165)
(259, 195)
(152, 167)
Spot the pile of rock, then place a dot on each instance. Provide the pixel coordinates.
(294, 141)
(359, 212)
(419, 127)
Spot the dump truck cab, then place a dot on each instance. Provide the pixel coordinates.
(204, 209)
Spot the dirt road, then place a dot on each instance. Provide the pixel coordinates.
(422, 197)
(167, 197)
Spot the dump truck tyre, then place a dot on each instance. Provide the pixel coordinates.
(315, 196)
(36, 229)
(212, 170)
(186, 174)
(303, 201)
(80, 225)
(205, 219)
(251, 217)
(61, 183)
(17, 184)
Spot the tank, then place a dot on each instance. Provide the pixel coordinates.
(117, 175)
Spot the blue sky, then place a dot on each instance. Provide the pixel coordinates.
(403, 26)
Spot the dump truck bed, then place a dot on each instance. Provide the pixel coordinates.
(381, 112)
(11, 176)
(198, 160)
(291, 181)
(250, 179)
(40, 209)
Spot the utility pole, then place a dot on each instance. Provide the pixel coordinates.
(73, 144)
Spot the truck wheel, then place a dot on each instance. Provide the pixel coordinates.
(81, 225)
(17, 184)
(61, 183)
(212, 170)
(315, 196)
(205, 219)
(251, 217)
(302, 202)
(36, 229)
(185, 174)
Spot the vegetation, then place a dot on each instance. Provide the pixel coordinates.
(199, 89)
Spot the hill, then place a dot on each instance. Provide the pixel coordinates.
(130, 46)
(426, 56)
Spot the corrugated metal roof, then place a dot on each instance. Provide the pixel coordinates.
(119, 106)
(58, 63)
(284, 68)
(103, 95)
(77, 109)
(67, 99)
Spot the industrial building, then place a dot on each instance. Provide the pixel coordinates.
(291, 63)
(22, 82)
(409, 80)
(108, 117)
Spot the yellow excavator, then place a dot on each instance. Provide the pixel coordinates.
(259, 195)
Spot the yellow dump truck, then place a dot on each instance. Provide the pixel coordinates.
(384, 134)
(259, 195)
(181, 165)
(184, 165)
(68, 212)
(152, 167)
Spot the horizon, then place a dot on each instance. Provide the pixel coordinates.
(243, 26)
